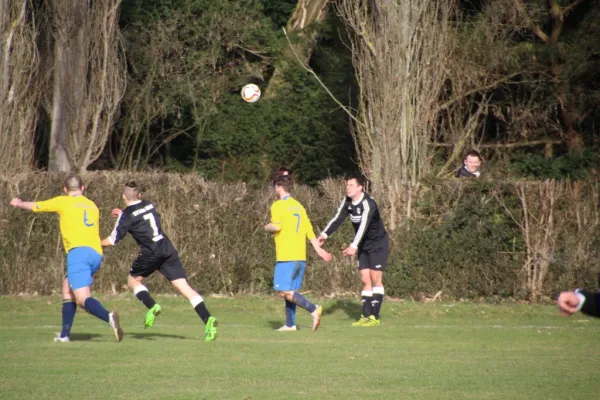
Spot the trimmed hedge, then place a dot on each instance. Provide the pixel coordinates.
(466, 239)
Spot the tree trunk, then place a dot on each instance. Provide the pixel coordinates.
(302, 23)
(71, 24)
(19, 87)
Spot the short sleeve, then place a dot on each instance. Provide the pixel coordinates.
(52, 205)
(276, 214)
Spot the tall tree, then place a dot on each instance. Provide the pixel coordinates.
(19, 91)
(87, 81)
(399, 51)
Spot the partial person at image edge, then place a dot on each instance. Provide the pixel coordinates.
(579, 300)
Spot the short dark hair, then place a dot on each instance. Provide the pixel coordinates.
(359, 179)
(283, 170)
(473, 153)
(284, 181)
(73, 182)
(131, 190)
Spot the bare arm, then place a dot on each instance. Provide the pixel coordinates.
(320, 251)
(272, 228)
(106, 242)
(26, 205)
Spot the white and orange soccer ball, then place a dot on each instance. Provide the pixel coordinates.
(250, 93)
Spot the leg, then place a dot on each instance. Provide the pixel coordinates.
(367, 292)
(69, 308)
(289, 276)
(141, 292)
(290, 312)
(210, 330)
(378, 291)
(378, 262)
(82, 263)
(172, 269)
(194, 298)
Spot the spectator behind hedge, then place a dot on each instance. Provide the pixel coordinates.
(471, 164)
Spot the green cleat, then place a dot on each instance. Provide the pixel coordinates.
(371, 321)
(360, 322)
(151, 315)
(210, 331)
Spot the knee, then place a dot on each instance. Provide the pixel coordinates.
(81, 301)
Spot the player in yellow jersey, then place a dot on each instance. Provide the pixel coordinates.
(79, 227)
(291, 227)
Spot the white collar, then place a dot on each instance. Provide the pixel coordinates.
(359, 200)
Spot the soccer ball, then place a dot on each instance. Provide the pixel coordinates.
(250, 93)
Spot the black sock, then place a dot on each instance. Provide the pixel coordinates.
(145, 298)
(202, 312)
(376, 304)
(367, 297)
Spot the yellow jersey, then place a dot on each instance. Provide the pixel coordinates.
(290, 217)
(79, 220)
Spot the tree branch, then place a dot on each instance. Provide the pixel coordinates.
(534, 28)
(568, 9)
(310, 70)
(478, 89)
(505, 145)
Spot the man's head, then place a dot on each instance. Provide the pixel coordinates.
(131, 192)
(354, 186)
(283, 185)
(472, 161)
(73, 184)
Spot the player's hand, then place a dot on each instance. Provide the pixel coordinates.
(116, 212)
(321, 240)
(568, 302)
(325, 255)
(15, 202)
(349, 251)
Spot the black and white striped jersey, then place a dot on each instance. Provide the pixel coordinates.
(143, 222)
(366, 220)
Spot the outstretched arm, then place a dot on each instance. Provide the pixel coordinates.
(339, 217)
(120, 230)
(26, 205)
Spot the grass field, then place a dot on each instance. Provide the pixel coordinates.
(421, 351)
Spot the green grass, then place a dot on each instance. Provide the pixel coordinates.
(421, 351)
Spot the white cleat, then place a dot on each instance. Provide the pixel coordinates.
(65, 339)
(286, 328)
(113, 321)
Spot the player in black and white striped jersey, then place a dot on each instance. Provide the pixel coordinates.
(142, 221)
(370, 244)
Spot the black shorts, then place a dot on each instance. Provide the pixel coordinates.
(375, 256)
(170, 266)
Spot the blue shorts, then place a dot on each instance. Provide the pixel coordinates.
(288, 275)
(82, 263)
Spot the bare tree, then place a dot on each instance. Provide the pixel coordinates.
(88, 81)
(19, 62)
(399, 51)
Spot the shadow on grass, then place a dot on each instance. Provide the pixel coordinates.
(275, 324)
(352, 308)
(154, 336)
(84, 336)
